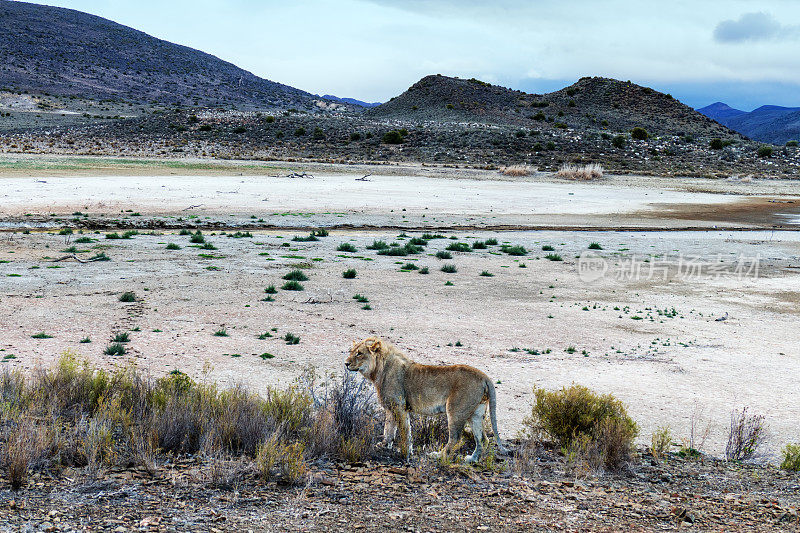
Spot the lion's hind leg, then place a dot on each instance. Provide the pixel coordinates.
(476, 422)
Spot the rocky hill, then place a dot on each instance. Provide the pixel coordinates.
(590, 104)
(55, 51)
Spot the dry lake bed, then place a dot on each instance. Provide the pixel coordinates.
(686, 308)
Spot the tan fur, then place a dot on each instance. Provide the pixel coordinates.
(403, 387)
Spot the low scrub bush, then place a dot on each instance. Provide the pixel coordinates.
(449, 269)
(350, 273)
(441, 254)
(515, 250)
(346, 247)
(791, 457)
(765, 151)
(585, 424)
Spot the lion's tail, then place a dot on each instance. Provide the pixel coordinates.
(493, 414)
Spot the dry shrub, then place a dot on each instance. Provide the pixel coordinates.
(18, 452)
(576, 172)
(429, 432)
(586, 425)
(660, 441)
(517, 170)
(746, 435)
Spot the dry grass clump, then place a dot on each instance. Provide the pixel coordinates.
(746, 435)
(73, 414)
(517, 170)
(594, 430)
(576, 172)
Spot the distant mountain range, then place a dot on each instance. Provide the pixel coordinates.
(352, 101)
(769, 123)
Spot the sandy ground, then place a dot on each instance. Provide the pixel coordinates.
(646, 330)
(409, 199)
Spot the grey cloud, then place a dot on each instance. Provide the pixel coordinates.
(758, 26)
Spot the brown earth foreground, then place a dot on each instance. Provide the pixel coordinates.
(382, 495)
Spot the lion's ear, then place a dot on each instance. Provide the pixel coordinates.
(375, 347)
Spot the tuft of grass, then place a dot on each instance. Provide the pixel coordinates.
(264, 336)
(406, 249)
(84, 240)
(459, 247)
(378, 245)
(41, 335)
(424, 270)
(350, 273)
(515, 250)
(172, 246)
(291, 338)
(548, 248)
(121, 337)
(487, 274)
(479, 245)
(100, 257)
(197, 238)
(266, 355)
(449, 269)
(595, 246)
(292, 286)
(221, 332)
(366, 307)
(443, 255)
(346, 247)
(309, 238)
(271, 290)
(295, 275)
(85, 340)
(114, 349)
(361, 299)
(409, 266)
(553, 257)
(587, 172)
(490, 242)
(127, 297)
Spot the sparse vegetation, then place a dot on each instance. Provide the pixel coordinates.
(292, 286)
(576, 172)
(746, 435)
(127, 297)
(346, 247)
(449, 269)
(350, 273)
(295, 275)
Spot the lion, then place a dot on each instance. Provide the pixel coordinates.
(403, 387)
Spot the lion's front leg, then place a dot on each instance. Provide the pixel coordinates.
(404, 425)
(389, 430)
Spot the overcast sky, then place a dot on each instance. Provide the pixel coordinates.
(744, 53)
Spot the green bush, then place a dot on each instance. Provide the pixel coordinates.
(127, 297)
(788, 143)
(765, 151)
(299, 132)
(392, 137)
(576, 411)
(449, 269)
(791, 457)
(716, 144)
(292, 286)
(350, 273)
(639, 134)
(459, 247)
(619, 141)
(378, 245)
(346, 247)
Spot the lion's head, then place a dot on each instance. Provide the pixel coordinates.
(363, 355)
